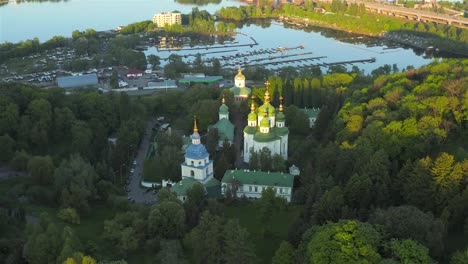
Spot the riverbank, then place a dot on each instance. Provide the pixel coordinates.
(405, 37)
(444, 37)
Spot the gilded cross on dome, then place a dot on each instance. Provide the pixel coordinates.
(252, 105)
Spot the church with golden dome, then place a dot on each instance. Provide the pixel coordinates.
(266, 129)
(240, 91)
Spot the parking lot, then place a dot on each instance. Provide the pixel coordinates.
(136, 193)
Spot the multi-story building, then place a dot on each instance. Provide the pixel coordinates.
(162, 19)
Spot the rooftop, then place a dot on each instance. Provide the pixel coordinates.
(311, 112)
(77, 81)
(162, 85)
(181, 188)
(225, 129)
(259, 178)
(199, 79)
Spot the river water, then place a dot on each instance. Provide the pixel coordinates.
(46, 19)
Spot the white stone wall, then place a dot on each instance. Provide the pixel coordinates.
(199, 173)
(239, 83)
(221, 116)
(312, 121)
(284, 147)
(279, 146)
(255, 191)
(167, 19)
(196, 162)
(248, 143)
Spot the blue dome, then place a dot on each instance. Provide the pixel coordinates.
(196, 151)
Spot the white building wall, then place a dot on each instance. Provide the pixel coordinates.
(196, 162)
(221, 116)
(239, 83)
(279, 146)
(199, 173)
(248, 144)
(255, 191)
(163, 19)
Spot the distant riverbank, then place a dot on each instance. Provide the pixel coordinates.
(444, 37)
(406, 37)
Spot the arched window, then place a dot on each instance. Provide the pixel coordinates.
(192, 173)
(192, 162)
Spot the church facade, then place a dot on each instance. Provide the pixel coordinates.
(240, 91)
(197, 164)
(224, 126)
(266, 128)
(197, 168)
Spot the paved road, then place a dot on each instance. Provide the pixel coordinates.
(138, 193)
(9, 173)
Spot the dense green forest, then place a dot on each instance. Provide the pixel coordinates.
(383, 173)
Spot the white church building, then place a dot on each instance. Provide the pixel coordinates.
(266, 129)
(197, 168)
(240, 91)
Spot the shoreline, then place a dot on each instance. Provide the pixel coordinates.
(389, 36)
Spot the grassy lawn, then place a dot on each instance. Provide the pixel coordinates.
(265, 246)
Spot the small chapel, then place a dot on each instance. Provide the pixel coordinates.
(224, 126)
(197, 168)
(266, 129)
(240, 91)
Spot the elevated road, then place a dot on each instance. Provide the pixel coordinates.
(414, 14)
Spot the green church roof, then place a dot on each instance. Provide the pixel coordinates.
(252, 116)
(250, 130)
(213, 188)
(311, 112)
(181, 188)
(225, 129)
(268, 107)
(265, 122)
(280, 131)
(223, 109)
(240, 91)
(280, 117)
(265, 137)
(259, 178)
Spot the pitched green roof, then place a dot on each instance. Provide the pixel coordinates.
(181, 188)
(206, 79)
(240, 91)
(259, 178)
(225, 129)
(280, 131)
(265, 137)
(311, 112)
(250, 130)
(213, 188)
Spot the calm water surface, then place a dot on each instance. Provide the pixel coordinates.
(47, 19)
